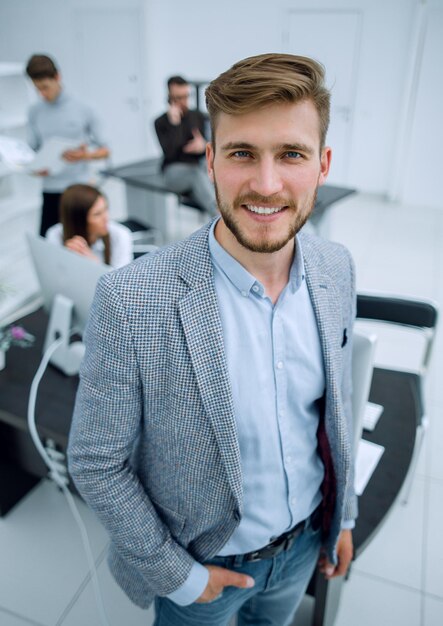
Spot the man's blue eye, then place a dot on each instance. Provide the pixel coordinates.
(293, 155)
(241, 153)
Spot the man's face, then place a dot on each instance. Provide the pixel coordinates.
(48, 88)
(179, 96)
(266, 169)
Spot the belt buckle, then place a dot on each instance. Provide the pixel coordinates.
(254, 556)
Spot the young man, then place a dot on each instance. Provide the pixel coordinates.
(58, 114)
(180, 132)
(212, 427)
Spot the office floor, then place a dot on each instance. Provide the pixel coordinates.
(397, 580)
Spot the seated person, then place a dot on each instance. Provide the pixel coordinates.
(85, 227)
(181, 136)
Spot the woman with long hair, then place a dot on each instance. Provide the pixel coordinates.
(85, 227)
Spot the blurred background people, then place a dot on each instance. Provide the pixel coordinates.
(181, 133)
(58, 114)
(85, 227)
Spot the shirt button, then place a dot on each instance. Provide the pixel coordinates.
(280, 365)
(293, 501)
(256, 288)
(288, 458)
(244, 293)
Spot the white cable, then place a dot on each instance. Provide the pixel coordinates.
(89, 555)
(32, 401)
(59, 476)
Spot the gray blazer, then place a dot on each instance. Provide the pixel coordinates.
(153, 446)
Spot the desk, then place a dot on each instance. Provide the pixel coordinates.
(396, 431)
(150, 201)
(20, 465)
(21, 468)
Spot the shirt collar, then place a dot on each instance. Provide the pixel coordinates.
(241, 278)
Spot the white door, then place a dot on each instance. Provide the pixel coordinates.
(332, 37)
(421, 169)
(110, 76)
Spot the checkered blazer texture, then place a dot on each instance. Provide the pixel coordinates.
(153, 447)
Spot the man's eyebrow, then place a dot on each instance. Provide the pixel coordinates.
(284, 147)
(297, 147)
(238, 145)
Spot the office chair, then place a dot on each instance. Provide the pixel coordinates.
(363, 353)
(417, 318)
(145, 238)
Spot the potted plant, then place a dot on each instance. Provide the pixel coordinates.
(12, 335)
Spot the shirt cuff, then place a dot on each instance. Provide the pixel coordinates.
(193, 586)
(348, 524)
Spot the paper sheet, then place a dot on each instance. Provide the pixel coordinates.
(49, 157)
(15, 152)
(372, 415)
(368, 456)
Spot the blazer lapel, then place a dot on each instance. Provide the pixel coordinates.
(201, 323)
(327, 308)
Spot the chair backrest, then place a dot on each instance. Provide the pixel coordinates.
(405, 311)
(363, 352)
(417, 315)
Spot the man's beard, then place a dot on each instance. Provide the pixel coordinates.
(300, 216)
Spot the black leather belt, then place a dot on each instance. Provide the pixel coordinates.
(286, 540)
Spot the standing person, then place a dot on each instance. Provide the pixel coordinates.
(181, 133)
(58, 114)
(85, 227)
(211, 432)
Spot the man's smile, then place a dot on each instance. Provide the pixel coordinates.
(264, 210)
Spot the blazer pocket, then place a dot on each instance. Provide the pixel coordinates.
(174, 521)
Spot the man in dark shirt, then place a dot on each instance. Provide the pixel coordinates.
(181, 136)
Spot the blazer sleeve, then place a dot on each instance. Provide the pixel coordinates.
(104, 430)
(350, 510)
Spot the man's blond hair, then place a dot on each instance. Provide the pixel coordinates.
(267, 79)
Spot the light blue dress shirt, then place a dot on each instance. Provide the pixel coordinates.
(276, 371)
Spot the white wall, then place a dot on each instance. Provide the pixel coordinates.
(421, 165)
(199, 39)
(50, 26)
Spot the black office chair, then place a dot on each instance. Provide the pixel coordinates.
(418, 317)
(187, 200)
(145, 238)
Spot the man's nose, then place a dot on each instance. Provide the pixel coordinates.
(266, 179)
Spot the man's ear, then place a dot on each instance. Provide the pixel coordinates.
(325, 164)
(210, 161)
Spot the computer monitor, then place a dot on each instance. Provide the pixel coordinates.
(67, 282)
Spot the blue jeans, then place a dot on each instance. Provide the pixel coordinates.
(280, 584)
